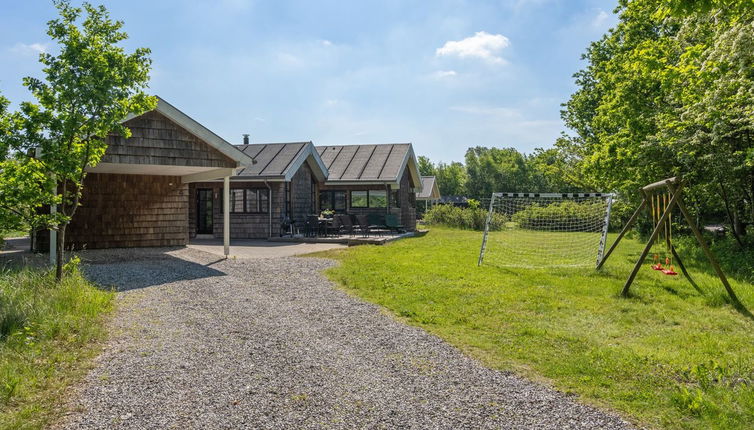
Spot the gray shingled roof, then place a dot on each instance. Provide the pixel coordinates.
(275, 160)
(428, 185)
(364, 162)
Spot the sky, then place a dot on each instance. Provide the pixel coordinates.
(444, 75)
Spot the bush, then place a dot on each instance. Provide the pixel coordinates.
(558, 216)
(472, 218)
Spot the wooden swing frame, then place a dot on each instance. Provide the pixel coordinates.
(674, 187)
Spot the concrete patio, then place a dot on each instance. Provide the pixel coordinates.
(260, 248)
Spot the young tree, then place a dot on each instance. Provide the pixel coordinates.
(90, 86)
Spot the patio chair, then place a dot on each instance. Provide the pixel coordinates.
(335, 227)
(312, 227)
(363, 223)
(392, 223)
(377, 223)
(346, 223)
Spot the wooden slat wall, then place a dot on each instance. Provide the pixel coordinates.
(157, 140)
(120, 211)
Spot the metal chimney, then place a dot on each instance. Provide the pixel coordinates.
(245, 139)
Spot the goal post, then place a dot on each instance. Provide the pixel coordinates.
(546, 229)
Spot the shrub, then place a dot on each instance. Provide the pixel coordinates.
(472, 218)
(558, 216)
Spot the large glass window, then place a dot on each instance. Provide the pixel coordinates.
(332, 200)
(359, 199)
(377, 199)
(369, 199)
(249, 200)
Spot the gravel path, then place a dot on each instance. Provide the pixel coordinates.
(202, 343)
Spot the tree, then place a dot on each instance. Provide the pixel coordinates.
(668, 92)
(451, 178)
(90, 86)
(426, 167)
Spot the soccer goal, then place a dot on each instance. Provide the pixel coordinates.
(546, 229)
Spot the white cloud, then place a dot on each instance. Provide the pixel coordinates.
(30, 49)
(326, 43)
(481, 45)
(601, 18)
(441, 74)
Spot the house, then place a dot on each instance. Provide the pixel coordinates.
(174, 179)
(430, 192)
(293, 180)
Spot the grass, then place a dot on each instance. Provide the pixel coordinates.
(48, 332)
(667, 357)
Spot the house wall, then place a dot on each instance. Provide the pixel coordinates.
(155, 139)
(302, 201)
(121, 211)
(242, 225)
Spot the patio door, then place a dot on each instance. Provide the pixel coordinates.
(204, 211)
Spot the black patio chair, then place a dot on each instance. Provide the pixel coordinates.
(312, 226)
(346, 223)
(334, 227)
(363, 224)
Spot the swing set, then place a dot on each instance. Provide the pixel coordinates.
(662, 198)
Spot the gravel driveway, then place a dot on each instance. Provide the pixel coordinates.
(199, 342)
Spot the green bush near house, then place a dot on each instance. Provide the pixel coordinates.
(471, 218)
(47, 334)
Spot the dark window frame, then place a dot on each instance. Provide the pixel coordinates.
(368, 205)
(258, 192)
(330, 195)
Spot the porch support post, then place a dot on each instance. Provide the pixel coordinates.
(226, 215)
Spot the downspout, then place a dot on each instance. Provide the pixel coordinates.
(269, 208)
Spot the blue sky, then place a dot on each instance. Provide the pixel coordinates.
(444, 75)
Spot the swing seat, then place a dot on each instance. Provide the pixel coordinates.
(657, 266)
(670, 272)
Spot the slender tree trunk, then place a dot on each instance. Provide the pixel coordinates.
(59, 257)
(731, 216)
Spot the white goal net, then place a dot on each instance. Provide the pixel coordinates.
(546, 229)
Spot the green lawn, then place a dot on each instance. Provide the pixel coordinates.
(667, 357)
(48, 333)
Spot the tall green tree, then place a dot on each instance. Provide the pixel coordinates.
(668, 92)
(426, 167)
(451, 178)
(88, 88)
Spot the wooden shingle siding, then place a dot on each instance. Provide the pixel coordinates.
(120, 211)
(242, 225)
(302, 203)
(157, 140)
